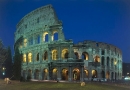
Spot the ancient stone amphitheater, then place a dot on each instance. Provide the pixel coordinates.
(48, 56)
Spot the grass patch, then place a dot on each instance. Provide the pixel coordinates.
(15, 85)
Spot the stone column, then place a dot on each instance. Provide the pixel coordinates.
(113, 75)
(40, 56)
(41, 40)
(34, 39)
(40, 75)
(90, 74)
(59, 73)
(109, 62)
(70, 73)
(49, 36)
(26, 75)
(33, 57)
(109, 75)
(49, 55)
(82, 74)
(70, 51)
(99, 74)
(33, 74)
(27, 58)
(59, 53)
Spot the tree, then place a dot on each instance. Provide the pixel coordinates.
(3, 57)
(17, 64)
(3, 53)
(8, 64)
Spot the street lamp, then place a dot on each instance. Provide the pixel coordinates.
(3, 71)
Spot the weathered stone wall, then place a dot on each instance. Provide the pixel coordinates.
(45, 57)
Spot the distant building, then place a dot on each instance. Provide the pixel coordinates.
(48, 56)
(126, 69)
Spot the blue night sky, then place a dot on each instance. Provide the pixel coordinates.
(98, 20)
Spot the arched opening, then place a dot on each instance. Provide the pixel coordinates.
(36, 74)
(54, 55)
(45, 37)
(112, 62)
(24, 74)
(85, 56)
(86, 73)
(54, 71)
(76, 55)
(115, 75)
(55, 36)
(107, 61)
(115, 62)
(103, 74)
(25, 42)
(30, 57)
(24, 58)
(38, 39)
(103, 52)
(65, 54)
(94, 74)
(64, 74)
(37, 57)
(29, 74)
(45, 56)
(45, 74)
(107, 75)
(76, 74)
(96, 59)
(31, 41)
(112, 74)
(102, 61)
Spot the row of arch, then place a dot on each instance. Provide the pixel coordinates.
(65, 55)
(38, 39)
(65, 74)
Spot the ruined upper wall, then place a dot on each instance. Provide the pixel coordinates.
(99, 45)
(38, 18)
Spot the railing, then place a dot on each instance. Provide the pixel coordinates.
(103, 66)
(67, 60)
(96, 64)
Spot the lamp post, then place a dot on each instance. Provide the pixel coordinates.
(3, 71)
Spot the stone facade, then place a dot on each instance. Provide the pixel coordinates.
(48, 56)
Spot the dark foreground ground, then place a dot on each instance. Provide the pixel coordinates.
(46, 85)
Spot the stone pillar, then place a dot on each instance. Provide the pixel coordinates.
(40, 56)
(70, 73)
(114, 75)
(59, 73)
(59, 53)
(109, 62)
(70, 51)
(27, 58)
(50, 36)
(33, 74)
(40, 75)
(60, 34)
(26, 75)
(82, 74)
(99, 74)
(34, 39)
(109, 75)
(49, 55)
(48, 75)
(33, 57)
(41, 40)
(100, 51)
(90, 74)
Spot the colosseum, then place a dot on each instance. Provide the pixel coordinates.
(47, 55)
